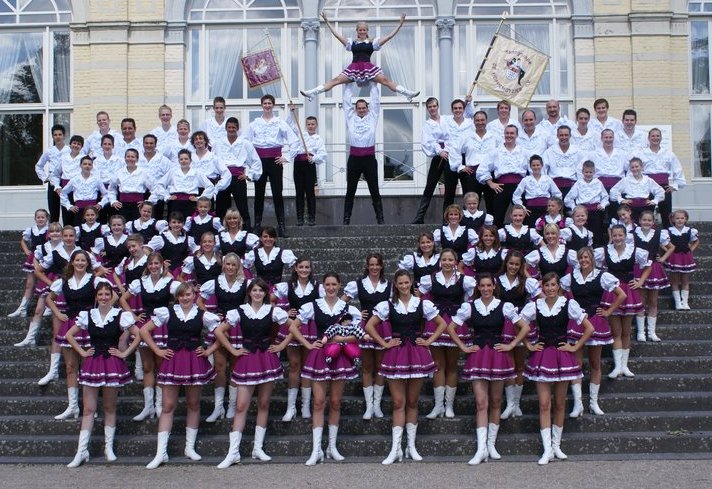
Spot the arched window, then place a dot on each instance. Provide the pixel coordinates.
(700, 94)
(543, 24)
(35, 82)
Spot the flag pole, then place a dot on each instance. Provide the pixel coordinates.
(489, 48)
(286, 90)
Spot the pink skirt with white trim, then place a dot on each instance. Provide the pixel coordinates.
(488, 364)
(657, 278)
(630, 307)
(681, 263)
(407, 361)
(185, 368)
(552, 365)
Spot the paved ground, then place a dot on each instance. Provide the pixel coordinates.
(638, 474)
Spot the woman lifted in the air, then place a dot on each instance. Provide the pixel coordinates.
(361, 70)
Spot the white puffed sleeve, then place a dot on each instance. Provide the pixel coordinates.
(533, 287)
(351, 289)
(426, 283)
(281, 290)
(279, 315)
(641, 257)
(160, 316)
(599, 256)
(529, 312)
(609, 282)
(437, 236)
(232, 317)
(532, 258)
(664, 237)
(174, 286)
(188, 265)
(355, 316)
(249, 259)
(126, 320)
(306, 313)
(469, 284)
(575, 312)
(207, 289)
(406, 263)
(566, 282)
(571, 258)
(83, 320)
(156, 243)
(211, 321)
(510, 312)
(288, 258)
(135, 287)
(472, 237)
(463, 314)
(56, 286)
(429, 310)
(382, 310)
(565, 234)
(694, 235)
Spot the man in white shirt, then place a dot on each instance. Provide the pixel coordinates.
(496, 126)
(602, 120)
(46, 164)
(533, 139)
(166, 133)
(156, 165)
(631, 139)
(563, 161)
(554, 119)
(92, 145)
(361, 122)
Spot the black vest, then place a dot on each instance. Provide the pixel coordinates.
(552, 330)
(204, 273)
(81, 299)
(448, 299)
(409, 326)
(256, 333)
(114, 254)
(623, 270)
(155, 299)
(324, 320)
(104, 338)
(588, 294)
(270, 272)
(369, 301)
(229, 300)
(458, 244)
(681, 242)
(184, 335)
(487, 330)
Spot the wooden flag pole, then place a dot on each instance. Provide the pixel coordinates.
(286, 90)
(489, 48)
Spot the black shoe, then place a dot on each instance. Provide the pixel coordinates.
(311, 221)
(347, 220)
(418, 220)
(282, 229)
(300, 222)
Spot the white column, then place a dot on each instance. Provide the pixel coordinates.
(311, 73)
(445, 27)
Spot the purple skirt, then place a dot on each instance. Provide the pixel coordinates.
(383, 329)
(630, 307)
(136, 304)
(601, 331)
(185, 368)
(445, 340)
(82, 336)
(42, 289)
(316, 368)
(509, 332)
(28, 266)
(407, 361)
(488, 364)
(552, 365)
(681, 263)
(308, 331)
(257, 368)
(361, 72)
(233, 334)
(657, 278)
(103, 371)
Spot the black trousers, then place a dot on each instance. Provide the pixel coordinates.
(273, 172)
(597, 226)
(238, 191)
(355, 167)
(53, 205)
(185, 207)
(501, 203)
(129, 210)
(436, 169)
(665, 208)
(304, 182)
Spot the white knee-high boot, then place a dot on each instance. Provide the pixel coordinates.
(481, 453)
(396, 452)
(548, 454)
(450, 401)
(509, 395)
(652, 324)
(411, 430)
(640, 328)
(82, 449)
(317, 454)
(578, 403)
(306, 402)
(291, 404)
(31, 336)
(684, 299)
(190, 435)
(409, 94)
(438, 406)
(159, 401)
(377, 397)
(161, 450)
(53, 373)
(138, 366)
(109, 432)
(624, 364)
(677, 297)
(219, 409)
(148, 410)
(331, 451)
(310, 94)
(257, 451)
(492, 430)
(556, 432)
(233, 453)
(231, 401)
(72, 410)
(368, 397)
(593, 399)
(617, 364)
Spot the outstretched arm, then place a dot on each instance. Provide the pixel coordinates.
(338, 36)
(390, 35)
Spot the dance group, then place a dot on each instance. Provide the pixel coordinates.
(202, 298)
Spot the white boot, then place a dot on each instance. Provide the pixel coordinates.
(138, 366)
(159, 401)
(21, 310)
(593, 399)
(31, 336)
(684, 297)
(624, 364)
(72, 410)
(368, 397)
(640, 327)
(109, 443)
(190, 435)
(509, 409)
(652, 324)
(492, 430)
(410, 451)
(233, 453)
(317, 455)
(438, 407)
(148, 410)
(257, 451)
(82, 450)
(53, 373)
(556, 432)
(517, 399)
(617, 364)
(677, 297)
(306, 402)
(481, 453)
(410, 94)
(396, 452)
(291, 405)
(231, 401)
(578, 404)
(161, 451)
(331, 451)
(219, 409)
(450, 401)
(548, 454)
(310, 94)
(377, 397)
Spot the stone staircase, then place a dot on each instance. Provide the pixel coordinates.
(665, 410)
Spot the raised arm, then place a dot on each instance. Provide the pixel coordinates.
(390, 35)
(338, 36)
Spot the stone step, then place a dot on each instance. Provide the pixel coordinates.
(456, 446)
